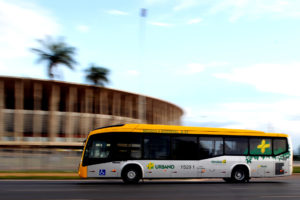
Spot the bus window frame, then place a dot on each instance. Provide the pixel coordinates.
(171, 136)
(149, 134)
(287, 146)
(103, 160)
(185, 135)
(270, 138)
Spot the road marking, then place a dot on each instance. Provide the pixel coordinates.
(298, 196)
(47, 190)
(72, 199)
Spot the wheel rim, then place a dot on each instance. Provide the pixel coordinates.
(131, 174)
(239, 175)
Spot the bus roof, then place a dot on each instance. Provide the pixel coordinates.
(164, 129)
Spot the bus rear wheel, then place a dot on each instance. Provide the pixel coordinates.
(131, 175)
(239, 175)
(227, 180)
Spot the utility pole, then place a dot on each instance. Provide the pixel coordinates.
(142, 99)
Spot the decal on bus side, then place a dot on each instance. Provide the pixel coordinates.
(151, 165)
(102, 172)
(219, 161)
(263, 146)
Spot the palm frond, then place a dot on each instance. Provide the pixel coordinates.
(97, 75)
(55, 52)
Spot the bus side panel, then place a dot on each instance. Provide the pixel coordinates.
(269, 166)
(213, 167)
(104, 170)
(261, 166)
(218, 167)
(158, 168)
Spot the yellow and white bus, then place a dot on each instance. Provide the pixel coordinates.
(138, 151)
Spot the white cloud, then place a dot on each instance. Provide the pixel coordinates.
(20, 25)
(133, 72)
(218, 64)
(195, 68)
(276, 78)
(236, 9)
(22, 70)
(161, 24)
(117, 12)
(280, 116)
(155, 2)
(185, 4)
(192, 68)
(83, 28)
(256, 8)
(195, 21)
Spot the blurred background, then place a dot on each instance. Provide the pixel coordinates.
(43, 124)
(67, 67)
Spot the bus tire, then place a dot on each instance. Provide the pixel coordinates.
(240, 174)
(227, 180)
(131, 174)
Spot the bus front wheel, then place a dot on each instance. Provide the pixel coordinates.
(131, 174)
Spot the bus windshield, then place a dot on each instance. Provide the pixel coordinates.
(98, 149)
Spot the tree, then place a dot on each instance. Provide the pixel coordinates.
(55, 53)
(97, 75)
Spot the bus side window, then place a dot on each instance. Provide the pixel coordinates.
(280, 146)
(157, 147)
(184, 148)
(210, 147)
(260, 146)
(127, 146)
(236, 146)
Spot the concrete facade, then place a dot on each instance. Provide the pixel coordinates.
(54, 113)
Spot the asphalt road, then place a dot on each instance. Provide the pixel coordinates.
(265, 189)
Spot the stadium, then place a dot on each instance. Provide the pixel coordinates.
(48, 113)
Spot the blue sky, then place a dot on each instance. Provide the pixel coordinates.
(227, 63)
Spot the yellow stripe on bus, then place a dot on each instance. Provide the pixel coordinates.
(169, 129)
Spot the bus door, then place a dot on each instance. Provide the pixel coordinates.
(185, 156)
(157, 153)
(97, 157)
(212, 161)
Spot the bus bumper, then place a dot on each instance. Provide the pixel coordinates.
(82, 171)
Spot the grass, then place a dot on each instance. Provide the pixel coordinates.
(296, 169)
(52, 175)
(40, 177)
(38, 171)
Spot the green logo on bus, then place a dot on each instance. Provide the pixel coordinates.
(164, 166)
(150, 165)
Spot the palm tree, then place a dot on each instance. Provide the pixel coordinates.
(97, 75)
(54, 53)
